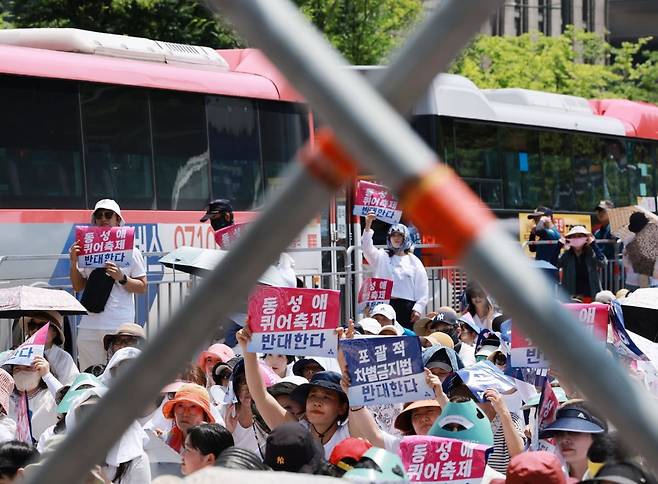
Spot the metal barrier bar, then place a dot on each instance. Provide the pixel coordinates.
(84, 446)
(487, 251)
(301, 52)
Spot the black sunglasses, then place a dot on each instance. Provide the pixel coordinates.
(103, 214)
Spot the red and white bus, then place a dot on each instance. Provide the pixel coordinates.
(162, 128)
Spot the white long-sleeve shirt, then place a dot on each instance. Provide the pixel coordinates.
(407, 272)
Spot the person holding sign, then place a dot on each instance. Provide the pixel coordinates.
(410, 287)
(324, 400)
(111, 288)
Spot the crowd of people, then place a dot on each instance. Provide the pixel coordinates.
(232, 408)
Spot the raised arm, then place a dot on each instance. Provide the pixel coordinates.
(273, 413)
(369, 250)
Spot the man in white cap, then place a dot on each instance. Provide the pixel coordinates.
(120, 304)
(385, 315)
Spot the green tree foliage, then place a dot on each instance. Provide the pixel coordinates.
(364, 31)
(577, 63)
(183, 21)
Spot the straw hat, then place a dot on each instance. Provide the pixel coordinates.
(55, 319)
(403, 420)
(438, 338)
(126, 329)
(190, 393)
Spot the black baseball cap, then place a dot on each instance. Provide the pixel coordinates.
(291, 447)
(541, 211)
(220, 205)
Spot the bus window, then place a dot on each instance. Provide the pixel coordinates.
(234, 151)
(557, 177)
(519, 149)
(180, 150)
(476, 160)
(641, 170)
(587, 171)
(283, 129)
(117, 143)
(40, 152)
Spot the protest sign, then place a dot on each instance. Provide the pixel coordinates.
(438, 459)
(225, 236)
(371, 197)
(99, 245)
(33, 346)
(595, 318)
(546, 411)
(293, 321)
(621, 341)
(484, 375)
(385, 370)
(374, 291)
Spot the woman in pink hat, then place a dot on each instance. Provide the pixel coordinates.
(217, 353)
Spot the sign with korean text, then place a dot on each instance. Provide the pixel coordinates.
(224, 237)
(385, 370)
(292, 321)
(438, 459)
(374, 291)
(33, 346)
(483, 376)
(99, 245)
(621, 340)
(595, 318)
(371, 197)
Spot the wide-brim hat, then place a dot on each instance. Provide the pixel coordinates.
(108, 204)
(403, 420)
(190, 393)
(219, 350)
(55, 319)
(421, 326)
(76, 390)
(438, 338)
(329, 380)
(577, 230)
(126, 329)
(573, 419)
(392, 330)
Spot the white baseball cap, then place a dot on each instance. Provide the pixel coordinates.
(108, 204)
(370, 325)
(385, 310)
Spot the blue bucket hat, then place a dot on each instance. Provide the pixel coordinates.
(573, 419)
(329, 380)
(450, 355)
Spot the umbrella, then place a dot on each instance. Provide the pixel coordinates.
(640, 310)
(18, 301)
(619, 219)
(200, 262)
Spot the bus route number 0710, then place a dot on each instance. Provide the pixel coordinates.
(194, 236)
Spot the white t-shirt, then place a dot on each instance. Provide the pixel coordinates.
(245, 437)
(61, 364)
(7, 429)
(407, 272)
(341, 433)
(120, 306)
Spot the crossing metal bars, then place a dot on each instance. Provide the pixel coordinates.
(436, 198)
(214, 299)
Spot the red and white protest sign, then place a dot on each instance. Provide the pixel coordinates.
(595, 318)
(292, 321)
(99, 245)
(224, 237)
(33, 346)
(374, 291)
(437, 459)
(371, 197)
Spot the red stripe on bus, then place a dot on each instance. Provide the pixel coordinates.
(131, 216)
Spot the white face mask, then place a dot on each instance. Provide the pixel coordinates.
(578, 242)
(26, 380)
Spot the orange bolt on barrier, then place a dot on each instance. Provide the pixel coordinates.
(327, 161)
(432, 202)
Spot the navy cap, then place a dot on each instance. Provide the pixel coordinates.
(301, 364)
(329, 380)
(573, 419)
(220, 205)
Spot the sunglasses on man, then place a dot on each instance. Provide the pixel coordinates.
(103, 214)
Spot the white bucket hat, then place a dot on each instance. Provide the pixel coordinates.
(578, 229)
(108, 204)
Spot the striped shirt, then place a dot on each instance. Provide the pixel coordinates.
(499, 458)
